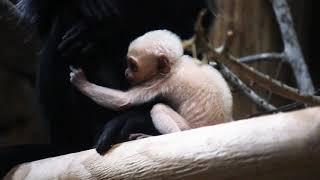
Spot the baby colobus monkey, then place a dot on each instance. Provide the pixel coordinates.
(198, 94)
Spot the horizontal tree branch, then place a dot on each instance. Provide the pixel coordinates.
(284, 145)
(262, 56)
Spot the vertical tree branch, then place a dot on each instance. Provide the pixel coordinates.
(292, 48)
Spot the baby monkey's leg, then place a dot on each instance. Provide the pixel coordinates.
(166, 120)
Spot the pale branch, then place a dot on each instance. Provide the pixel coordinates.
(271, 84)
(284, 145)
(245, 71)
(265, 81)
(262, 56)
(254, 97)
(277, 74)
(292, 49)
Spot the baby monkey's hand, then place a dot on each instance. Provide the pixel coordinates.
(78, 78)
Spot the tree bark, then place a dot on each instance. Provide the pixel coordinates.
(281, 146)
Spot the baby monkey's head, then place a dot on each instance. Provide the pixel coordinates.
(151, 55)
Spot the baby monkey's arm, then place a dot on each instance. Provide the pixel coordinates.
(107, 97)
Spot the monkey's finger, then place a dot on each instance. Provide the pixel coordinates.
(104, 8)
(76, 29)
(72, 75)
(63, 46)
(85, 8)
(69, 39)
(87, 48)
(95, 9)
(72, 68)
(72, 49)
(114, 8)
(110, 7)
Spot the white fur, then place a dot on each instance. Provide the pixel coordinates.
(159, 42)
(198, 92)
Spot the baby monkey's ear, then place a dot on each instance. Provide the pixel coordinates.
(164, 65)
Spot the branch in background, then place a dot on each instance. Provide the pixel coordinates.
(244, 71)
(292, 49)
(265, 81)
(285, 108)
(254, 97)
(262, 56)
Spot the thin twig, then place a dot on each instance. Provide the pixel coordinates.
(285, 108)
(279, 67)
(262, 56)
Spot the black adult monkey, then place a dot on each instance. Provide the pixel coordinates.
(96, 34)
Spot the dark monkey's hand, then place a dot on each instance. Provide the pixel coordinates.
(95, 10)
(77, 41)
(80, 39)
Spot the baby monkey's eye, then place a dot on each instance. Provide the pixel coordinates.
(132, 65)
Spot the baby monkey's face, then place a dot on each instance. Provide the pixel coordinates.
(141, 68)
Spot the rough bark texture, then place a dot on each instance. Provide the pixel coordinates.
(281, 146)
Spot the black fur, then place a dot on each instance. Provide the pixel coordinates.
(94, 35)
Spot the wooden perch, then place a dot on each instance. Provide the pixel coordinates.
(285, 145)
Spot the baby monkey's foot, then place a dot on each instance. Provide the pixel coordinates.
(137, 136)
